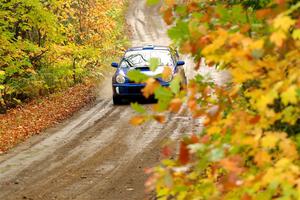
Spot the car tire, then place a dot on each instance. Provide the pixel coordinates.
(117, 100)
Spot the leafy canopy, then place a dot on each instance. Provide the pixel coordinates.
(249, 146)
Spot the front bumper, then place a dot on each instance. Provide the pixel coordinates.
(130, 89)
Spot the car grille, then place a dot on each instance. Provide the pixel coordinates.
(131, 90)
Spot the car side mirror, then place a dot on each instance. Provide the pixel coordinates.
(114, 64)
(180, 63)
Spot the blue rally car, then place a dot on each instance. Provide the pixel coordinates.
(138, 58)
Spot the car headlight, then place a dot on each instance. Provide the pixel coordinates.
(120, 79)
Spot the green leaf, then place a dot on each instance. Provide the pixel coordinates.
(162, 93)
(154, 63)
(164, 97)
(175, 85)
(152, 2)
(138, 108)
(179, 32)
(298, 92)
(137, 76)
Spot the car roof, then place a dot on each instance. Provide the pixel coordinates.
(148, 47)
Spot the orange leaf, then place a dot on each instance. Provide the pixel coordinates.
(170, 3)
(261, 158)
(192, 104)
(186, 47)
(255, 119)
(167, 73)
(184, 156)
(151, 85)
(233, 164)
(166, 151)
(192, 7)
(229, 181)
(175, 105)
(246, 197)
(245, 28)
(168, 16)
(280, 2)
(205, 139)
(260, 14)
(160, 118)
(194, 138)
(137, 120)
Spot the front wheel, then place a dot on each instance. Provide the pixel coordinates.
(117, 100)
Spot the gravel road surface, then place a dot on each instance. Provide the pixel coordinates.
(96, 154)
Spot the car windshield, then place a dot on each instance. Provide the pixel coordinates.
(142, 58)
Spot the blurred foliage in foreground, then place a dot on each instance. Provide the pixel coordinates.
(249, 148)
(48, 45)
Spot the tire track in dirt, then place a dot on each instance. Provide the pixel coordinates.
(96, 154)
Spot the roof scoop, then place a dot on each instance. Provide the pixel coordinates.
(150, 46)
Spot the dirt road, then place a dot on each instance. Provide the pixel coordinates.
(95, 154)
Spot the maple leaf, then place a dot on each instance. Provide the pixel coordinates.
(255, 119)
(167, 74)
(262, 13)
(265, 100)
(233, 164)
(166, 151)
(137, 120)
(270, 140)
(283, 23)
(289, 148)
(278, 38)
(160, 118)
(151, 85)
(168, 16)
(290, 95)
(175, 105)
(184, 155)
(170, 3)
(296, 34)
(261, 158)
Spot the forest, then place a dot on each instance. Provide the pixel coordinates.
(249, 143)
(50, 45)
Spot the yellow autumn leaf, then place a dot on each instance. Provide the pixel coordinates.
(278, 38)
(296, 34)
(217, 43)
(288, 148)
(269, 176)
(258, 44)
(249, 140)
(265, 100)
(270, 140)
(289, 115)
(261, 158)
(167, 73)
(239, 75)
(170, 3)
(283, 23)
(289, 96)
